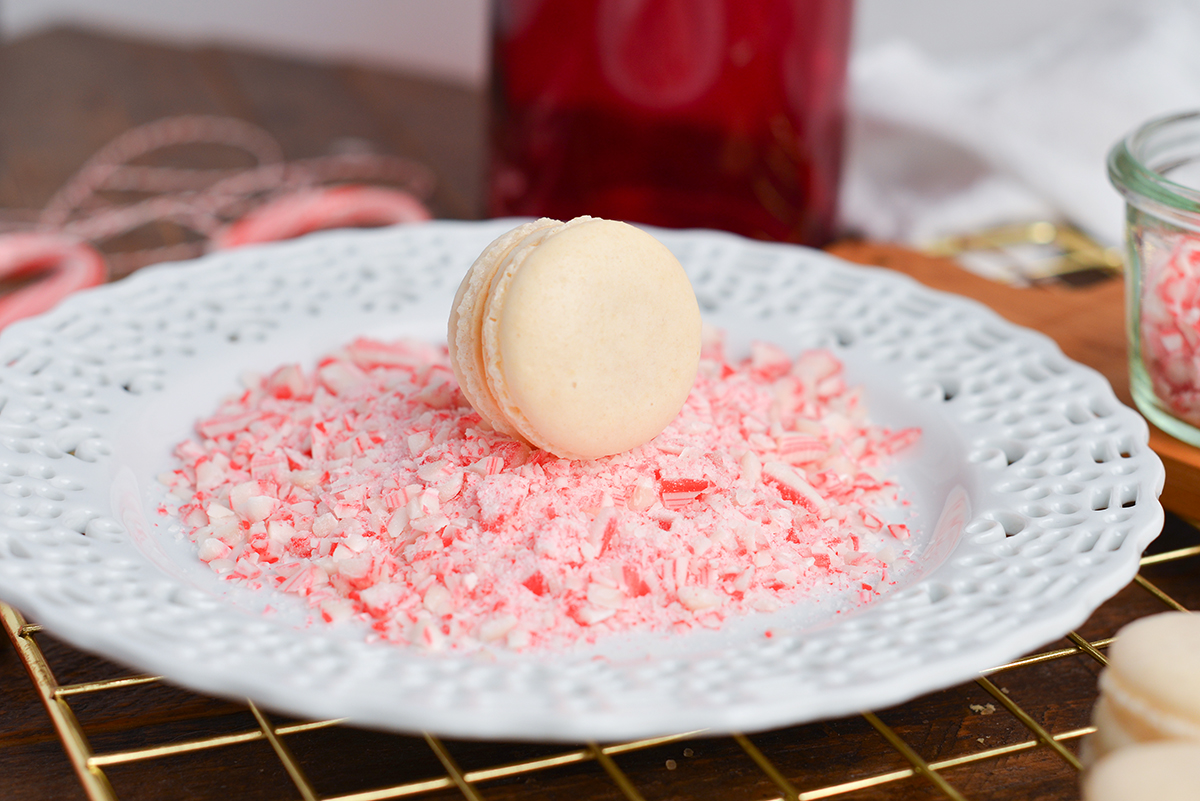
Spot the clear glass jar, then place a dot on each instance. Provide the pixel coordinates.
(1157, 170)
(681, 113)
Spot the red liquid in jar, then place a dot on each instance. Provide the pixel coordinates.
(682, 113)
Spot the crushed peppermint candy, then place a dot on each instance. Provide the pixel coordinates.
(371, 488)
(1169, 318)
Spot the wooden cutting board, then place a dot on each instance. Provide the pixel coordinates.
(1087, 322)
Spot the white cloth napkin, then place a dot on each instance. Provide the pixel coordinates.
(939, 147)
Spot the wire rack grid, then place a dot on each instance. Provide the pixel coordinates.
(781, 781)
(886, 755)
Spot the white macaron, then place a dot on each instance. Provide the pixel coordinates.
(1150, 689)
(580, 338)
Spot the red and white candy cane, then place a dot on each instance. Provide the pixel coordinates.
(271, 200)
(308, 210)
(64, 265)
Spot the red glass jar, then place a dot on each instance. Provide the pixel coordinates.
(682, 113)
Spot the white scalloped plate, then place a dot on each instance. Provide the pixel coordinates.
(1033, 493)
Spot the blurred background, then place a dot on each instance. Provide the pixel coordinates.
(961, 115)
(974, 129)
(448, 39)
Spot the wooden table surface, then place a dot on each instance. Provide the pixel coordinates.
(64, 94)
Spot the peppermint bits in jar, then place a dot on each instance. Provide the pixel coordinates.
(1157, 170)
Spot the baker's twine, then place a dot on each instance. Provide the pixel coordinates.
(58, 247)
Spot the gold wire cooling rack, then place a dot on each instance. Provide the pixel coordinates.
(972, 741)
(882, 754)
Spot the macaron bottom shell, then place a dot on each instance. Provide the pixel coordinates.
(592, 342)
(1167, 770)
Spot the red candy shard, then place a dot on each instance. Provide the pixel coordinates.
(678, 493)
(536, 584)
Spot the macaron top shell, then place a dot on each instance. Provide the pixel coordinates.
(591, 338)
